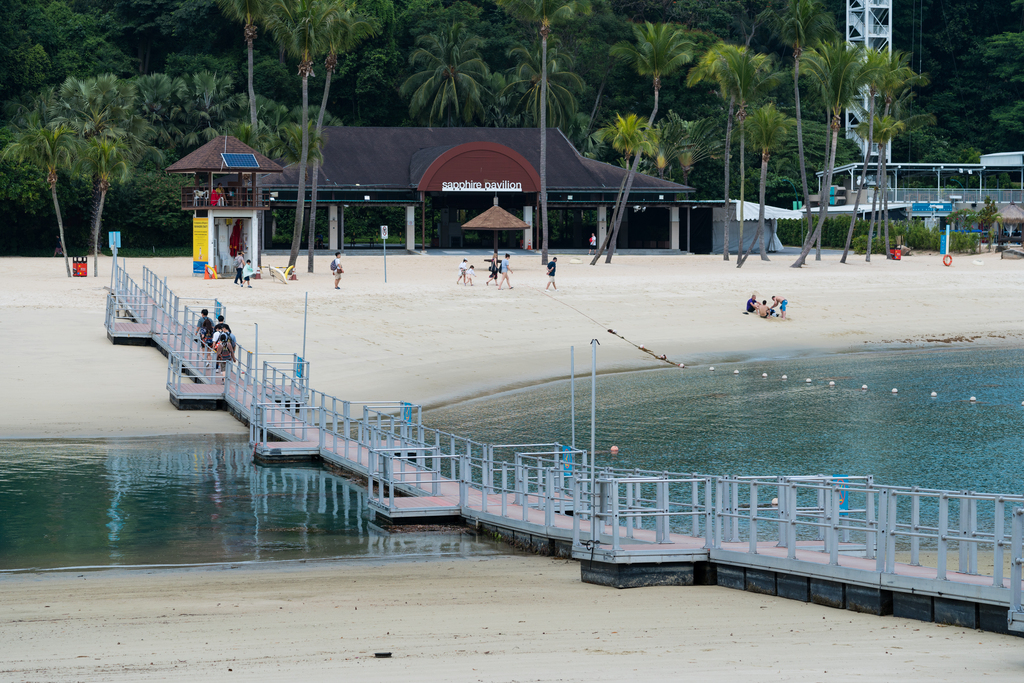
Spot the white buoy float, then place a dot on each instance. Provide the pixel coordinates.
(831, 384)
(895, 390)
(775, 501)
(808, 380)
(682, 365)
(641, 346)
(735, 372)
(787, 377)
(934, 394)
(864, 387)
(974, 399)
(764, 374)
(712, 368)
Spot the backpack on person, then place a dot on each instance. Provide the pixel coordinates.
(224, 349)
(336, 266)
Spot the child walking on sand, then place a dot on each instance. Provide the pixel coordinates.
(470, 274)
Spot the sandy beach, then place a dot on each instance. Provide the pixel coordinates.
(421, 338)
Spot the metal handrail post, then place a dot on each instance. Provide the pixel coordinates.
(694, 517)
(662, 533)
(791, 505)
(940, 570)
(549, 495)
(709, 540)
(915, 527)
(734, 508)
(833, 541)
(871, 536)
(614, 515)
(962, 522)
(1016, 559)
(753, 518)
(998, 548)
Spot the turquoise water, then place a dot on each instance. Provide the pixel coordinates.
(196, 500)
(184, 500)
(695, 420)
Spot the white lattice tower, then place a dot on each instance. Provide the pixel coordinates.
(868, 23)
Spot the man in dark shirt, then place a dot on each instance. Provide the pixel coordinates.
(551, 273)
(751, 304)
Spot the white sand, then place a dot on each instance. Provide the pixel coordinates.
(496, 619)
(422, 339)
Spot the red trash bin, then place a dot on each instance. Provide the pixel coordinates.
(80, 266)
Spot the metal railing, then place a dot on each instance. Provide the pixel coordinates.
(187, 370)
(1015, 617)
(235, 197)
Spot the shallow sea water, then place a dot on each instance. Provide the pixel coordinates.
(185, 500)
(695, 420)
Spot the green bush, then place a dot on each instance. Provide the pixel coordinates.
(860, 245)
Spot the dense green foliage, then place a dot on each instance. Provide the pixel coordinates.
(189, 64)
(915, 234)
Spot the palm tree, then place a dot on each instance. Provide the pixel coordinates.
(768, 130)
(451, 77)
(248, 12)
(699, 143)
(207, 102)
(108, 160)
(544, 13)
(743, 76)
(347, 31)
(159, 98)
(803, 24)
(874, 64)
(562, 84)
(838, 72)
(50, 149)
(302, 28)
(629, 136)
(660, 50)
(105, 108)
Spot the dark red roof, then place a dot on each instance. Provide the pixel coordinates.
(396, 159)
(208, 158)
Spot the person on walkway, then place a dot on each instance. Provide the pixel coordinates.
(206, 332)
(470, 274)
(493, 268)
(337, 269)
(551, 274)
(247, 272)
(593, 243)
(204, 318)
(225, 352)
(505, 272)
(239, 266)
(462, 272)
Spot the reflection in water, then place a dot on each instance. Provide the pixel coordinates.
(184, 500)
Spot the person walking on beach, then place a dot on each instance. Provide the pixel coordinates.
(593, 243)
(462, 272)
(505, 271)
(337, 269)
(470, 274)
(247, 272)
(551, 274)
(493, 268)
(239, 266)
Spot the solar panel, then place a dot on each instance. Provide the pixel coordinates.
(240, 160)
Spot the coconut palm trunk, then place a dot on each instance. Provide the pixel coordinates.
(863, 174)
(741, 115)
(875, 205)
(797, 51)
(614, 234)
(60, 220)
(300, 198)
(615, 210)
(760, 208)
(885, 202)
(727, 205)
(331, 61)
(544, 31)
(96, 221)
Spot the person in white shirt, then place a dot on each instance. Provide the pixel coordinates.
(337, 269)
(470, 274)
(462, 272)
(505, 270)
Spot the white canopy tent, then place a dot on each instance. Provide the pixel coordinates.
(771, 215)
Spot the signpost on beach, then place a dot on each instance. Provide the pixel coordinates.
(384, 241)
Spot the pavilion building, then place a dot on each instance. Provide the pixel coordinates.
(457, 173)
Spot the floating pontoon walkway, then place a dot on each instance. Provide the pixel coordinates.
(824, 539)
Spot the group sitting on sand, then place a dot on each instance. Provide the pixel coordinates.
(764, 310)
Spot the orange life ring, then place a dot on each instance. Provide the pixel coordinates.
(947, 260)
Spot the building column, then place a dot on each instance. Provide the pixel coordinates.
(332, 221)
(602, 224)
(410, 228)
(528, 233)
(252, 248)
(673, 228)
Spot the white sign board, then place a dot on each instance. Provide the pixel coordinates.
(486, 186)
(383, 232)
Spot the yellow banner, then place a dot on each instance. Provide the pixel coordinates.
(200, 244)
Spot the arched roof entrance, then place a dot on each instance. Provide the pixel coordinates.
(478, 167)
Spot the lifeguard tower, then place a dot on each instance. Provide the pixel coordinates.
(225, 200)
